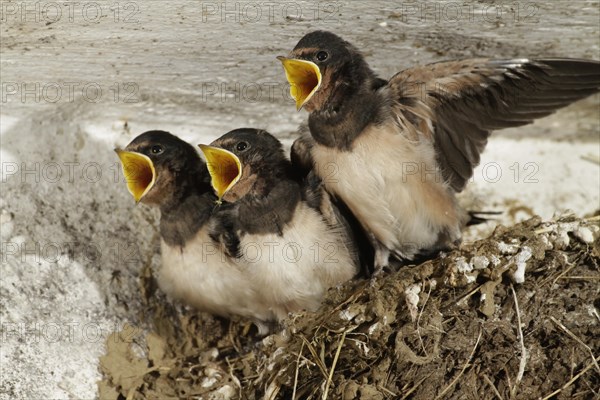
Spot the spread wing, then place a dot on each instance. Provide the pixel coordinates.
(466, 100)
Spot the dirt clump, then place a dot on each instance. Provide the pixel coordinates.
(512, 316)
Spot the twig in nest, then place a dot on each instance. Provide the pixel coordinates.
(412, 389)
(466, 296)
(566, 385)
(335, 360)
(419, 322)
(272, 390)
(317, 361)
(591, 158)
(462, 371)
(596, 314)
(297, 371)
(582, 277)
(234, 378)
(388, 391)
(489, 382)
(571, 266)
(555, 278)
(523, 361)
(572, 335)
(234, 337)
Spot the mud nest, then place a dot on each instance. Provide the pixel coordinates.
(513, 316)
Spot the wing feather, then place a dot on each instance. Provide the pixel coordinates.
(468, 99)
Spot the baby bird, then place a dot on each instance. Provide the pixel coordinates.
(221, 257)
(397, 151)
(283, 228)
(162, 170)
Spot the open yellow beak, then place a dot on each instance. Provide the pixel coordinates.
(224, 167)
(139, 172)
(304, 78)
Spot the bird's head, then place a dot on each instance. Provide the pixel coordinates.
(243, 161)
(323, 67)
(159, 166)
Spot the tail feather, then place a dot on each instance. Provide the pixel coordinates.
(480, 217)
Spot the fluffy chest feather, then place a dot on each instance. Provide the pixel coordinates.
(293, 271)
(393, 186)
(201, 275)
(275, 274)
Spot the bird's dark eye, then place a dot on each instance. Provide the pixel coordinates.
(156, 149)
(241, 146)
(322, 56)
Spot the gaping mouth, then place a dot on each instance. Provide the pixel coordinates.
(138, 171)
(224, 167)
(304, 78)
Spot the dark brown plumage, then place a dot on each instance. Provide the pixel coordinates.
(468, 99)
